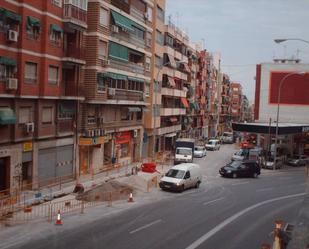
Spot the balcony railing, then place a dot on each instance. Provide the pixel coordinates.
(64, 126)
(130, 38)
(172, 111)
(173, 92)
(127, 66)
(122, 94)
(169, 129)
(137, 14)
(74, 13)
(121, 5)
(73, 52)
(122, 123)
(71, 89)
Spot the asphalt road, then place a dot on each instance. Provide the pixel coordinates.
(222, 213)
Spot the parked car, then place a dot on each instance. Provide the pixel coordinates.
(240, 155)
(298, 160)
(199, 151)
(181, 177)
(227, 138)
(213, 144)
(241, 169)
(269, 163)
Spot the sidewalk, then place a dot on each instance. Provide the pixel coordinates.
(300, 236)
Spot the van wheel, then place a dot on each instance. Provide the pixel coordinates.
(182, 189)
(197, 185)
(234, 175)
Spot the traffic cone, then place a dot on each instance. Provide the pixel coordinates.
(58, 221)
(130, 198)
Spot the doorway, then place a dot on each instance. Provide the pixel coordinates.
(4, 175)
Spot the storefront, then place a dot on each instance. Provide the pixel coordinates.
(123, 150)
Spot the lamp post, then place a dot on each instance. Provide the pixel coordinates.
(278, 109)
(290, 39)
(155, 91)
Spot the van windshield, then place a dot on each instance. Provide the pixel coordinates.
(175, 173)
(186, 152)
(212, 142)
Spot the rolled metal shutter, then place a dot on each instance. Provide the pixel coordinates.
(64, 157)
(47, 164)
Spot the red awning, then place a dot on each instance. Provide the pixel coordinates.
(172, 61)
(185, 102)
(186, 67)
(171, 82)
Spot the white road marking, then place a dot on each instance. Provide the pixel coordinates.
(239, 183)
(264, 189)
(223, 224)
(209, 202)
(146, 226)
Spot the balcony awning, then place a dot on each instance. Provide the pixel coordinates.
(134, 109)
(56, 28)
(32, 22)
(173, 119)
(184, 101)
(118, 52)
(115, 76)
(136, 79)
(7, 116)
(186, 67)
(7, 61)
(122, 21)
(171, 135)
(138, 26)
(171, 82)
(11, 15)
(172, 60)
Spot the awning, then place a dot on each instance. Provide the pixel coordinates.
(118, 52)
(11, 15)
(171, 81)
(186, 67)
(136, 79)
(173, 119)
(56, 28)
(7, 61)
(172, 61)
(134, 109)
(184, 101)
(136, 53)
(32, 22)
(138, 26)
(171, 135)
(114, 76)
(122, 21)
(7, 116)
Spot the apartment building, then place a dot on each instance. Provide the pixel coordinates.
(41, 59)
(225, 112)
(117, 82)
(236, 93)
(163, 123)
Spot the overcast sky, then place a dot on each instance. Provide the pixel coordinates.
(243, 31)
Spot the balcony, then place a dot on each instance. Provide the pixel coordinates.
(127, 66)
(64, 127)
(75, 15)
(74, 54)
(137, 14)
(173, 92)
(172, 111)
(169, 129)
(122, 123)
(130, 38)
(121, 5)
(128, 95)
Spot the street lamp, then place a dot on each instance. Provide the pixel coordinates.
(278, 109)
(290, 39)
(155, 96)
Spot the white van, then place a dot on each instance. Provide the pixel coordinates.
(183, 155)
(181, 177)
(213, 144)
(227, 137)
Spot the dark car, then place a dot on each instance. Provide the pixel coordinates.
(241, 169)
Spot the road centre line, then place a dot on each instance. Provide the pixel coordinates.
(239, 183)
(223, 224)
(146, 226)
(264, 189)
(209, 202)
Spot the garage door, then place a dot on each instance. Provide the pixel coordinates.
(64, 161)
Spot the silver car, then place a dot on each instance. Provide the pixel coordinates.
(298, 160)
(199, 151)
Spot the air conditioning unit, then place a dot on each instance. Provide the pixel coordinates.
(134, 133)
(12, 35)
(11, 84)
(105, 62)
(111, 91)
(29, 127)
(115, 29)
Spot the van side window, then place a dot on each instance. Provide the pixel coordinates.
(187, 176)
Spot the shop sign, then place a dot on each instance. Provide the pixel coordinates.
(305, 129)
(91, 141)
(27, 146)
(123, 137)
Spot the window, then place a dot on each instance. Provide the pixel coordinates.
(102, 50)
(158, 61)
(33, 27)
(160, 14)
(91, 120)
(82, 4)
(7, 72)
(31, 72)
(101, 83)
(139, 115)
(147, 63)
(148, 39)
(25, 115)
(169, 40)
(47, 115)
(147, 89)
(103, 17)
(235, 89)
(139, 33)
(53, 75)
(56, 2)
(125, 115)
(55, 34)
(159, 37)
(149, 14)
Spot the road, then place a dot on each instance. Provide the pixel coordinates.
(222, 213)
